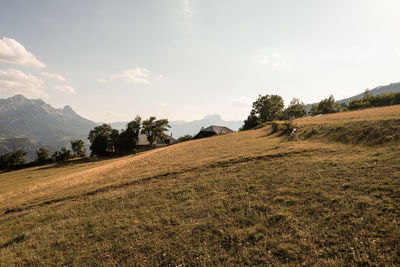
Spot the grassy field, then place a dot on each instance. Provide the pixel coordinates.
(330, 196)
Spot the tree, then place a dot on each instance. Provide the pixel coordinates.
(103, 139)
(133, 129)
(17, 158)
(129, 137)
(251, 122)
(265, 108)
(62, 155)
(56, 157)
(184, 138)
(78, 148)
(65, 153)
(327, 105)
(296, 109)
(4, 160)
(42, 155)
(268, 107)
(314, 110)
(154, 129)
(13, 160)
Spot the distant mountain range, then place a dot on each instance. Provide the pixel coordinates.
(393, 87)
(30, 123)
(180, 128)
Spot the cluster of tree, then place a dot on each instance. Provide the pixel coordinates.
(105, 140)
(271, 107)
(16, 159)
(327, 105)
(12, 160)
(77, 151)
(369, 100)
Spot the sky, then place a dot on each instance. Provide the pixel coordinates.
(185, 59)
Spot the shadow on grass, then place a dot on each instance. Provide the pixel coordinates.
(80, 161)
(17, 239)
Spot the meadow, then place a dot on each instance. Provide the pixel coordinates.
(328, 196)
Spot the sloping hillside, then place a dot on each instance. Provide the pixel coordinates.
(247, 198)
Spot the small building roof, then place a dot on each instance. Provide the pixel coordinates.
(142, 140)
(217, 129)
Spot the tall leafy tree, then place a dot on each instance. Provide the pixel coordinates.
(296, 109)
(103, 139)
(62, 155)
(78, 148)
(130, 136)
(251, 122)
(17, 158)
(314, 110)
(154, 129)
(268, 107)
(327, 105)
(42, 155)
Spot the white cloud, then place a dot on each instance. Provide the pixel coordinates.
(273, 60)
(54, 76)
(14, 81)
(65, 89)
(241, 102)
(138, 75)
(187, 8)
(13, 52)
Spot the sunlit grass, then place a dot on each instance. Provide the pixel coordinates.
(247, 198)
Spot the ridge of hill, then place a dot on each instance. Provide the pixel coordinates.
(393, 87)
(246, 198)
(40, 124)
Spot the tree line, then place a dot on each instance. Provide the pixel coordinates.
(369, 100)
(104, 141)
(16, 159)
(271, 107)
(268, 108)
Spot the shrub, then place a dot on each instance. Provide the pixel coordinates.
(275, 127)
(42, 155)
(185, 138)
(288, 127)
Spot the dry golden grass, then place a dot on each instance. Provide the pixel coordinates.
(371, 114)
(248, 198)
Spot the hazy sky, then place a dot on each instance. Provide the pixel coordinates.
(184, 59)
